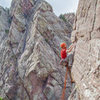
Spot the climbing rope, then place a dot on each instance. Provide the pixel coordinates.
(64, 89)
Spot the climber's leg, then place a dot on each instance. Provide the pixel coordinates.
(64, 62)
(69, 70)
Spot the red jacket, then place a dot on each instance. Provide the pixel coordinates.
(63, 53)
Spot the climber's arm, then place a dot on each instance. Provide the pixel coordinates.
(70, 48)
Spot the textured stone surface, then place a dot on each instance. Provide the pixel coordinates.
(86, 66)
(4, 31)
(68, 20)
(29, 67)
(4, 25)
(70, 17)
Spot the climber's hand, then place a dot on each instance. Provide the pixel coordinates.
(74, 44)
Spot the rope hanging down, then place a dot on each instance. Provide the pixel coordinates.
(64, 89)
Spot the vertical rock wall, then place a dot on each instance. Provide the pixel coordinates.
(86, 66)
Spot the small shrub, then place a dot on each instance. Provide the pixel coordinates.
(10, 20)
(7, 31)
(62, 17)
(1, 98)
(46, 40)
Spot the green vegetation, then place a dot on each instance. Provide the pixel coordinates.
(62, 17)
(1, 98)
(46, 40)
(7, 31)
(9, 20)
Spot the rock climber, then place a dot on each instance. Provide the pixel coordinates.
(65, 58)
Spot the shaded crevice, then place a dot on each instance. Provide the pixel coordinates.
(28, 20)
(45, 83)
(87, 12)
(25, 37)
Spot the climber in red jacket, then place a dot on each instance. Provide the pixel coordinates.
(64, 59)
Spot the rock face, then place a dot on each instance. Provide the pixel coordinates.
(29, 63)
(69, 20)
(4, 25)
(4, 31)
(86, 66)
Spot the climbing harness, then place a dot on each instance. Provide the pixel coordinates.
(64, 89)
